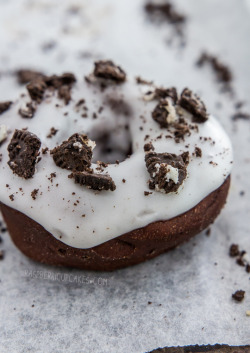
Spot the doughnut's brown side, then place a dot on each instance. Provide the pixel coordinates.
(128, 249)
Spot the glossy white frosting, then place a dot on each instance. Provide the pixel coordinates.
(83, 218)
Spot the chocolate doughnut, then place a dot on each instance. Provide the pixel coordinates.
(109, 171)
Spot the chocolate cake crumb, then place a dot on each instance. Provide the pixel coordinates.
(168, 171)
(52, 133)
(109, 71)
(198, 152)
(36, 90)
(26, 76)
(73, 154)
(222, 71)
(164, 11)
(149, 147)
(4, 106)
(239, 295)
(29, 110)
(147, 193)
(34, 193)
(234, 250)
(23, 152)
(124, 181)
(194, 105)
(94, 181)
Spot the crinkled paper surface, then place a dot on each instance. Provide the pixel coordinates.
(180, 298)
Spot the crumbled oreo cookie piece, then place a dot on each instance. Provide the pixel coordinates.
(34, 193)
(163, 93)
(4, 106)
(239, 295)
(180, 129)
(148, 147)
(56, 81)
(64, 93)
(194, 105)
(168, 171)
(36, 90)
(222, 71)
(74, 154)
(28, 111)
(26, 76)
(164, 11)
(52, 132)
(198, 152)
(94, 181)
(23, 152)
(164, 113)
(109, 71)
(234, 250)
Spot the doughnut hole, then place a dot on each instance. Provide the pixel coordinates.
(111, 144)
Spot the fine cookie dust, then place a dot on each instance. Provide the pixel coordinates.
(116, 146)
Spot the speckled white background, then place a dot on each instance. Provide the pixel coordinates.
(194, 293)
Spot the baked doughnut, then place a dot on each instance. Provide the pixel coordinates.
(105, 172)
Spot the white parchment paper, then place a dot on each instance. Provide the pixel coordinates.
(180, 298)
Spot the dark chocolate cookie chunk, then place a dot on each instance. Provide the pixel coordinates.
(25, 76)
(74, 154)
(36, 90)
(164, 113)
(238, 295)
(108, 70)
(167, 171)
(56, 81)
(194, 105)
(4, 106)
(162, 93)
(23, 151)
(28, 111)
(94, 181)
(164, 11)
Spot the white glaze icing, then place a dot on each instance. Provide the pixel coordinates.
(84, 218)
